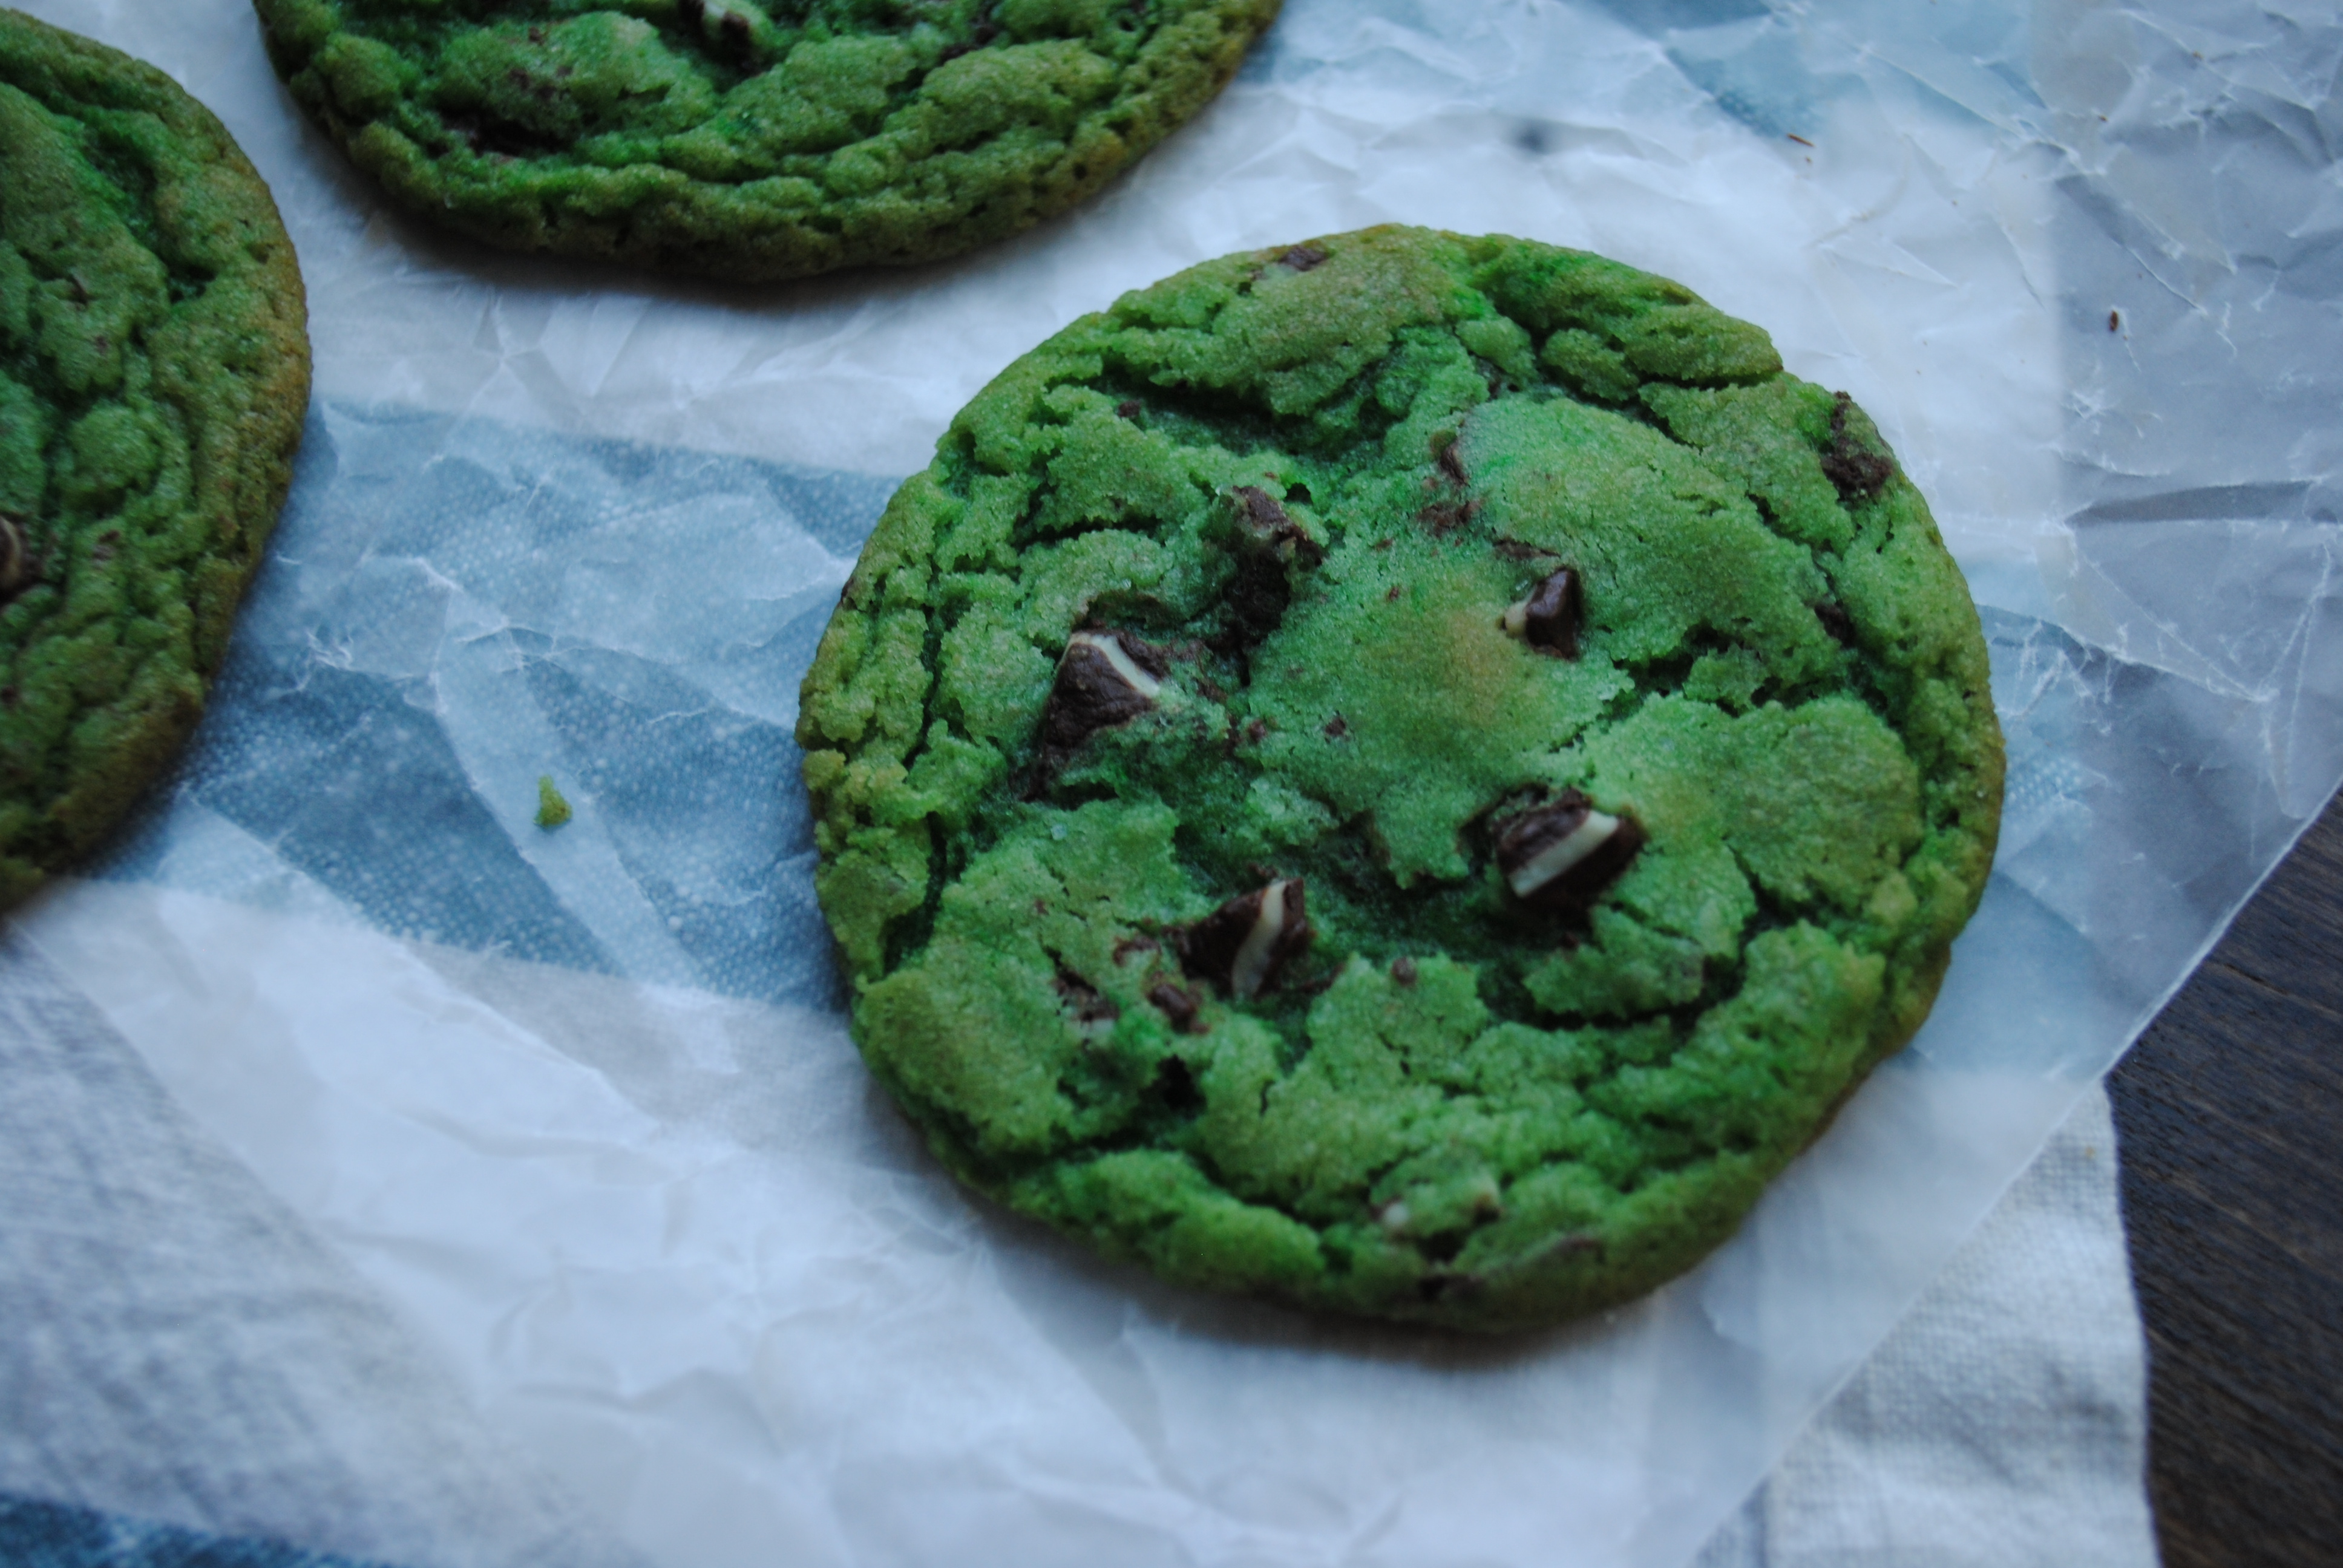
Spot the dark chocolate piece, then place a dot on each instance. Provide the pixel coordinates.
(1255, 598)
(1268, 523)
(1563, 854)
(1240, 946)
(1450, 460)
(1178, 1005)
(1106, 678)
(1447, 516)
(1251, 604)
(1302, 257)
(1262, 511)
(1857, 474)
(1550, 617)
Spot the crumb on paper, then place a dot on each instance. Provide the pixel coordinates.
(552, 810)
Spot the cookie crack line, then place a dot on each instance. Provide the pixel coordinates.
(751, 142)
(1452, 765)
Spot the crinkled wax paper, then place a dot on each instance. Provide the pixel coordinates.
(580, 1104)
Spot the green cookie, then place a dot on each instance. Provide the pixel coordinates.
(1406, 774)
(746, 140)
(154, 374)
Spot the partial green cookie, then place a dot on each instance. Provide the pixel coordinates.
(1405, 774)
(746, 140)
(154, 374)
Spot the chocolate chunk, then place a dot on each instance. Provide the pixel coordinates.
(1251, 604)
(1156, 662)
(1302, 257)
(1550, 617)
(1837, 621)
(1268, 524)
(1178, 1005)
(1129, 408)
(738, 35)
(1337, 727)
(1447, 516)
(1253, 601)
(1450, 460)
(1263, 510)
(1563, 854)
(1106, 678)
(1240, 946)
(1404, 971)
(1857, 474)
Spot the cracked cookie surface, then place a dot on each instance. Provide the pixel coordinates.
(755, 140)
(154, 375)
(1405, 774)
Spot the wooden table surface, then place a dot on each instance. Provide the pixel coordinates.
(2229, 1114)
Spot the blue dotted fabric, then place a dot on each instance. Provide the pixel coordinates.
(51, 1535)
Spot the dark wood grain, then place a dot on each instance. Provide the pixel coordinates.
(2229, 1112)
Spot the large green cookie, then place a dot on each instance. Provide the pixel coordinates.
(154, 374)
(752, 139)
(1407, 774)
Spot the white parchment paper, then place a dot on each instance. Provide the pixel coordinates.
(580, 1105)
